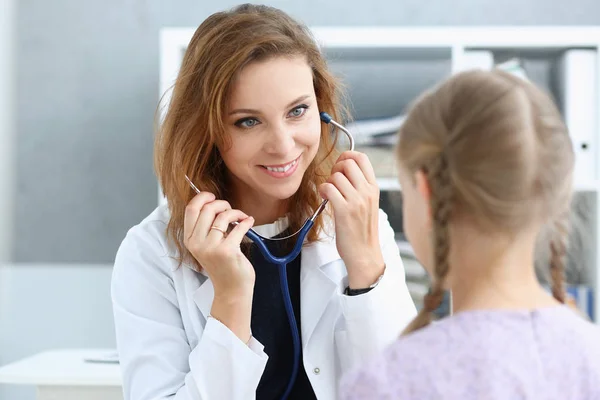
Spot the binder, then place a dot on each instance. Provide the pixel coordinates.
(577, 86)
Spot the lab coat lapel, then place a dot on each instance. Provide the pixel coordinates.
(319, 283)
(204, 295)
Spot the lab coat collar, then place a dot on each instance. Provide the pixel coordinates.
(320, 279)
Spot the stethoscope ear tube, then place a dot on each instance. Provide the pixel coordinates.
(328, 120)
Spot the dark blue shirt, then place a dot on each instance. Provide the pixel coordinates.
(271, 328)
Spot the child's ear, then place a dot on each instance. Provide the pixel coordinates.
(424, 190)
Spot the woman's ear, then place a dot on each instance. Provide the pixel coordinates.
(424, 190)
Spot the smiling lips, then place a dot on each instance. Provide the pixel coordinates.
(282, 170)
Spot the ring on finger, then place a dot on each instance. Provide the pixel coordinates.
(216, 228)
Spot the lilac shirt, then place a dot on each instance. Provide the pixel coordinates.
(549, 353)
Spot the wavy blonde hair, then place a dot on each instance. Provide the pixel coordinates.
(494, 146)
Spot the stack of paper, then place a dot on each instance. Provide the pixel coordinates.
(376, 131)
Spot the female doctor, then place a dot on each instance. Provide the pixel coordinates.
(198, 311)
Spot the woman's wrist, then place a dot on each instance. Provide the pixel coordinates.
(365, 274)
(235, 313)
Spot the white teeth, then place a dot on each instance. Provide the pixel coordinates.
(282, 169)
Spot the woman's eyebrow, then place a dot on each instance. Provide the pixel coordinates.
(252, 111)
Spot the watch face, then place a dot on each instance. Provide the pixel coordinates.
(378, 279)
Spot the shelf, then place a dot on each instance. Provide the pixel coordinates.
(389, 184)
(591, 186)
(436, 37)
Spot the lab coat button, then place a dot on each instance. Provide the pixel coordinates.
(317, 371)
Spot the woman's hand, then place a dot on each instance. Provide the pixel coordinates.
(205, 236)
(353, 193)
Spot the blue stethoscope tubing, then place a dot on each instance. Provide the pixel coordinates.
(282, 262)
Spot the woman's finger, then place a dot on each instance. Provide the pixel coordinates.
(352, 172)
(220, 226)
(363, 163)
(329, 192)
(207, 216)
(343, 185)
(237, 233)
(192, 212)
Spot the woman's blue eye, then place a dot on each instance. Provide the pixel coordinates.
(298, 111)
(247, 123)
(250, 122)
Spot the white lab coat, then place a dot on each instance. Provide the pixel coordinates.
(168, 348)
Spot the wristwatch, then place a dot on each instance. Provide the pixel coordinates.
(355, 292)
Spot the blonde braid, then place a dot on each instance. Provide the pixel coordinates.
(441, 207)
(558, 250)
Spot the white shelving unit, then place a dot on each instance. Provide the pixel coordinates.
(7, 125)
(449, 50)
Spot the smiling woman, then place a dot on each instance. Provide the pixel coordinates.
(273, 139)
(195, 316)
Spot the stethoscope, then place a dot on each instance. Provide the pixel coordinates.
(281, 262)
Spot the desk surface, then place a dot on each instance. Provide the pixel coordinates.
(63, 368)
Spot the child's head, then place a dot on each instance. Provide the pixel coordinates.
(247, 97)
(488, 151)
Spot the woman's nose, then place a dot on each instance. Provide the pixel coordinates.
(280, 140)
